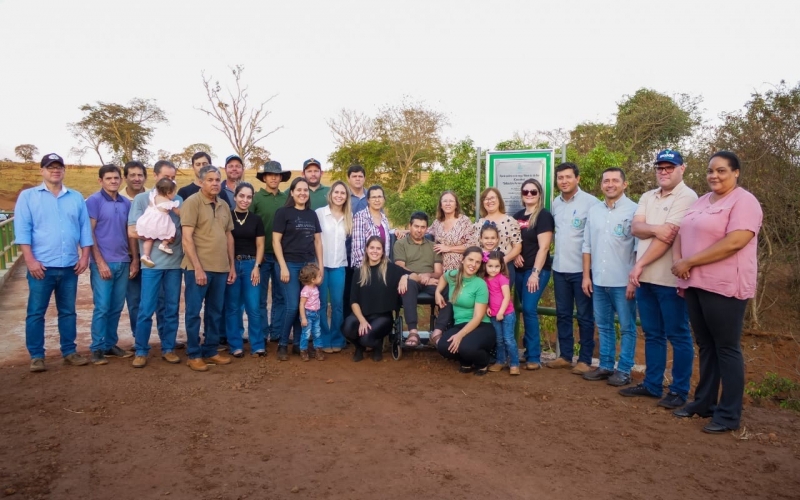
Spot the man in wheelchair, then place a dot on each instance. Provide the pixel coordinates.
(415, 253)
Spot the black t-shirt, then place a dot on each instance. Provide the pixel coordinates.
(187, 191)
(244, 235)
(298, 228)
(530, 236)
(377, 297)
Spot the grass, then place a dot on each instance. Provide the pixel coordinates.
(784, 391)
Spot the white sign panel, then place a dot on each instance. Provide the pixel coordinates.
(509, 174)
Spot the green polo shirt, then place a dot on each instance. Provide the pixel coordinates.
(265, 204)
(418, 257)
(318, 198)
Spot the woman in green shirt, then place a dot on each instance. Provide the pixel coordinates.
(472, 336)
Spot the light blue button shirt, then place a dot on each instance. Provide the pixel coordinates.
(54, 226)
(570, 217)
(610, 242)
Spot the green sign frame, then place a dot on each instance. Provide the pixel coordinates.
(507, 170)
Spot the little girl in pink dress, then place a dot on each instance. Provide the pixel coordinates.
(155, 223)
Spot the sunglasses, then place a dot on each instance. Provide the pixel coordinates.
(530, 192)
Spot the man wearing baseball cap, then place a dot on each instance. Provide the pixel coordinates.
(312, 171)
(266, 202)
(51, 222)
(234, 171)
(662, 312)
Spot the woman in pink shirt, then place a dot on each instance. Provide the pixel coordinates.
(715, 261)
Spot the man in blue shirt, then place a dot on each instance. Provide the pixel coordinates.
(51, 222)
(608, 257)
(110, 263)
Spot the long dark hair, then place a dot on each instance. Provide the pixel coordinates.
(290, 200)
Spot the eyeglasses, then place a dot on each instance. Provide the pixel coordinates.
(665, 170)
(530, 192)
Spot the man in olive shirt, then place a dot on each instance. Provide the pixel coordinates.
(265, 203)
(318, 194)
(207, 267)
(416, 254)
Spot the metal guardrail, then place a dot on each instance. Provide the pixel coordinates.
(8, 248)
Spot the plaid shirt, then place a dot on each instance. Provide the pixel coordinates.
(363, 229)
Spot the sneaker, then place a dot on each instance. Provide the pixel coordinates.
(359, 354)
(164, 248)
(258, 354)
(98, 358)
(283, 354)
(465, 369)
(116, 352)
(304, 355)
(75, 359)
(672, 400)
(197, 364)
(328, 350)
(559, 363)
(180, 345)
(238, 353)
(480, 372)
(618, 379)
(533, 366)
(147, 261)
(319, 355)
(581, 368)
(638, 391)
(217, 359)
(139, 362)
(514, 370)
(598, 374)
(497, 367)
(37, 365)
(171, 357)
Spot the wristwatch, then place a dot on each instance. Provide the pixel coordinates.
(535, 271)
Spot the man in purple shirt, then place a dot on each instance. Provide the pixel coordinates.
(110, 263)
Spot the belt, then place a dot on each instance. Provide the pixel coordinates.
(245, 257)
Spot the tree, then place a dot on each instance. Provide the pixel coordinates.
(371, 154)
(351, 127)
(26, 152)
(233, 116)
(126, 130)
(184, 158)
(586, 136)
(411, 131)
(88, 138)
(258, 156)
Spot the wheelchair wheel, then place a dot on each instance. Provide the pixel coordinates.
(397, 342)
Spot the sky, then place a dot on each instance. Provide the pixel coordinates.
(492, 67)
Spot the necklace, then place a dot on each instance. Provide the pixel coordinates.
(241, 221)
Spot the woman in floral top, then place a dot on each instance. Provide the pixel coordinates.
(451, 231)
(494, 210)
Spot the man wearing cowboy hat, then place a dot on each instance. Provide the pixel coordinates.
(265, 203)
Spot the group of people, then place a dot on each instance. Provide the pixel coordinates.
(678, 258)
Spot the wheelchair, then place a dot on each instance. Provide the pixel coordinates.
(397, 339)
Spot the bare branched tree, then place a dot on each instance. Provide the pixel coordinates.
(89, 138)
(351, 127)
(242, 124)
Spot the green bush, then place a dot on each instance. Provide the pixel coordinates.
(782, 390)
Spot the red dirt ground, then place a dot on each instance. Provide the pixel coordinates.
(259, 429)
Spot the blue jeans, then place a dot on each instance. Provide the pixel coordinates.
(109, 299)
(156, 285)
(529, 301)
(212, 295)
(506, 342)
(665, 317)
(291, 294)
(243, 292)
(567, 288)
(332, 291)
(607, 301)
(132, 297)
(313, 327)
(270, 270)
(64, 282)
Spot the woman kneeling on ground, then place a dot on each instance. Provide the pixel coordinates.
(472, 337)
(375, 295)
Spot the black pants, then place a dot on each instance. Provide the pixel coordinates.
(475, 346)
(717, 324)
(348, 281)
(410, 301)
(444, 318)
(381, 327)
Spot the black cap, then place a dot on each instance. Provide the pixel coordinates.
(51, 158)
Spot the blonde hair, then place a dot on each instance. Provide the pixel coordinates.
(365, 275)
(539, 204)
(346, 208)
